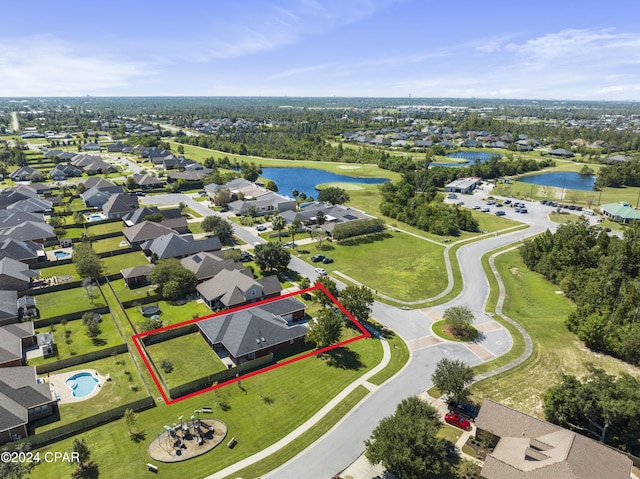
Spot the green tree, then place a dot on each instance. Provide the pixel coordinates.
(407, 444)
(459, 319)
(320, 217)
(131, 183)
(451, 378)
(78, 218)
(468, 469)
(333, 195)
(278, 223)
(86, 468)
(292, 229)
(88, 265)
(180, 280)
(320, 296)
(271, 186)
(271, 257)
(130, 417)
(319, 235)
(93, 327)
(358, 301)
(326, 329)
(220, 227)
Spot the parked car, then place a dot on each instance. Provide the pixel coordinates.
(452, 196)
(465, 410)
(476, 207)
(499, 205)
(316, 258)
(485, 210)
(245, 257)
(460, 203)
(523, 210)
(321, 271)
(327, 260)
(500, 213)
(457, 420)
(507, 202)
(491, 202)
(261, 228)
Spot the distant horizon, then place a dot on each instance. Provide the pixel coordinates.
(560, 51)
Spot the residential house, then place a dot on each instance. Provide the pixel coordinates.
(13, 339)
(29, 231)
(207, 265)
(255, 332)
(31, 205)
(618, 159)
(102, 185)
(119, 205)
(471, 144)
(174, 245)
(561, 152)
(527, 447)
(116, 147)
(147, 181)
(8, 314)
(193, 176)
(137, 276)
(423, 143)
(62, 171)
(172, 218)
(91, 146)
(22, 400)
(145, 231)
(231, 288)
(266, 203)
(92, 164)
(16, 276)
(24, 173)
(10, 218)
(95, 198)
(26, 252)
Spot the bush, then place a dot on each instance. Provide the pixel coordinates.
(358, 228)
(166, 365)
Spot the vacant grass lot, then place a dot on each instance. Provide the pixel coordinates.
(81, 343)
(272, 405)
(534, 302)
(393, 263)
(125, 386)
(191, 356)
(68, 301)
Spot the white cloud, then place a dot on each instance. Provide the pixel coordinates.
(44, 66)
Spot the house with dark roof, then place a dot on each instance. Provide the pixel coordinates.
(92, 164)
(562, 153)
(22, 400)
(24, 173)
(231, 288)
(116, 147)
(173, 245)
(14, 218)
(31, 205)
(102, 185)
(27, 252)
(618, 159)
(61, 172)
(91, 146)
(147, 181)
(27, 308)
(137, 276)
(14, 338)
(8, 308)
(207, 265)
(527, 447)
(193, 176)
(29, 231)
(16, 276)
(145, 231)
(94, 197)
(255, 332)
(172, 218)
(119, 205)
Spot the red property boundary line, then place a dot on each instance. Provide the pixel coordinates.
(143, 354)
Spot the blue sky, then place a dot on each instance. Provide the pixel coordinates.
(574, 50)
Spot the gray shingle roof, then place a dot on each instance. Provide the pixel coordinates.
(8, 307)
(250, 330)
(147, 230)
(19, 392)
(176, 246)
(119, 204)
(206, 265)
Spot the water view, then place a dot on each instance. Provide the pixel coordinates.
(305, 179)
(561, 179)
(470, 156)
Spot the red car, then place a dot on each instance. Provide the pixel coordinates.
(458, 421)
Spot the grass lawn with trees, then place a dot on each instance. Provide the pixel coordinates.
(256, 418)
(536, 304)
(81, 343)
(192, 358)
(127, 294)
(125, 386)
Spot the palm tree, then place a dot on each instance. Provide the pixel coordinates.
(278, 223)
(293, 229)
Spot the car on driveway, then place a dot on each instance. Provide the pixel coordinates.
(465, 410)
(245, 257)
(261, 228)
(321, 271)
(327, 260)
(457, 420)
(316, 258)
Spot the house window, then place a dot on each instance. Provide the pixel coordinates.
(251, 355)
(253, 292)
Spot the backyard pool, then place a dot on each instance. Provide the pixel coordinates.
(82, 384)
(95, 217)
(61, 254)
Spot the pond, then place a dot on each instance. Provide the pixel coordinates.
(561, 179)
(305, 179)
(470, 156)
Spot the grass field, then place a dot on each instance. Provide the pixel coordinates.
(172, 313)
(68, 301)
(256, 417)
(126, 294)
(108, 244)
(104, 228)
(113, 264)
(191, 356)
(81, 343)
(393, 263)
(125, 386)
(535, 303)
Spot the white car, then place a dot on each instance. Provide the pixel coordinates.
(321, 271)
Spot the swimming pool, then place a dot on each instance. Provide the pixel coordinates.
(61, 254)
(96, 217)
(82, 384)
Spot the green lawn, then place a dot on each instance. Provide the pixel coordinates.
(126, 294)
(113, 264)
(191, 356)
(61, 270)
(109, 244)
(105, 228)
(399, 357)
(396, 264)
(81, 343)
(257, 417)
(535, 303)
(172, 313)
(74, 232)
(125, 386)
(68, 301)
